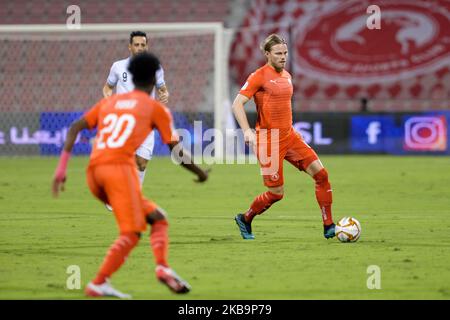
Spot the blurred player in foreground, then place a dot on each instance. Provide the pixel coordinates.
(123, 121)
(120, 78)
(275, 138)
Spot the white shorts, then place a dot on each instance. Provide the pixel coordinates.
(146, 148)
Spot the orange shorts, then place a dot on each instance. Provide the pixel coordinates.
(118, 185)
(271, 155)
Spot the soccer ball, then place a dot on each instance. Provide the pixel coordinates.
(348, 229)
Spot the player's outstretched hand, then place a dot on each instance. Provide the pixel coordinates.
(59, 178)
(202, 177)
(250, 139)
(163, 96)
(58, 184)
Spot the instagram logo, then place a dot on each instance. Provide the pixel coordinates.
(426, 134)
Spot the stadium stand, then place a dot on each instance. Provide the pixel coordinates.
(76, 84)
(336, 60)
(65, 74)
(114, 11)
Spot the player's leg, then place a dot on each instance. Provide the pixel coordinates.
(159, 241)
(97, 191)
(141, 164)
(259, 205)
(144, 154)
(324, 195)
(272, 172)
(120, 185)
(302, 156)
(95, 188)
(115, 257)
(263, 202)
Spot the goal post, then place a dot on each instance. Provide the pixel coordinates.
(68, 67)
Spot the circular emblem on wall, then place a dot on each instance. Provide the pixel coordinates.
(335, 44)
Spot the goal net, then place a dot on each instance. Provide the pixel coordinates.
(50, 75)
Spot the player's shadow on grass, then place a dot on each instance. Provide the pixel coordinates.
(208, 241)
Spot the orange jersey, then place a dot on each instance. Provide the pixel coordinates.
(272, 92)
(123, 122)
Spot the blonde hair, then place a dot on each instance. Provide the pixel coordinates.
(270, 41)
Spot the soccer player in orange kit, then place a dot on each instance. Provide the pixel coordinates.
(123, 122)
(275, 138)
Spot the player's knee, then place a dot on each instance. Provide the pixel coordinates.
(157, 215)
(141, 166)
(132, 238)
(277, 191)
(276, 194)
(276, 197)
(321, 177)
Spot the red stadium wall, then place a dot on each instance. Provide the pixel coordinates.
(336, 60)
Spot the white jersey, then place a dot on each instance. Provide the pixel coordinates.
(121, 78)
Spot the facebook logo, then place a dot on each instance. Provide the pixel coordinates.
(371, 133)
(401, 134)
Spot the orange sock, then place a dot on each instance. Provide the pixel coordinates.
(261, 204)
(116, 256)
(159, 240)
(324, 195)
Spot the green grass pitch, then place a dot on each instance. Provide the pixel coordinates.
(403, 204)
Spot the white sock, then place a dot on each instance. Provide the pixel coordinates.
(141, 176)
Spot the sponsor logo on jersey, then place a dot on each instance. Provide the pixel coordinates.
(125, 104)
